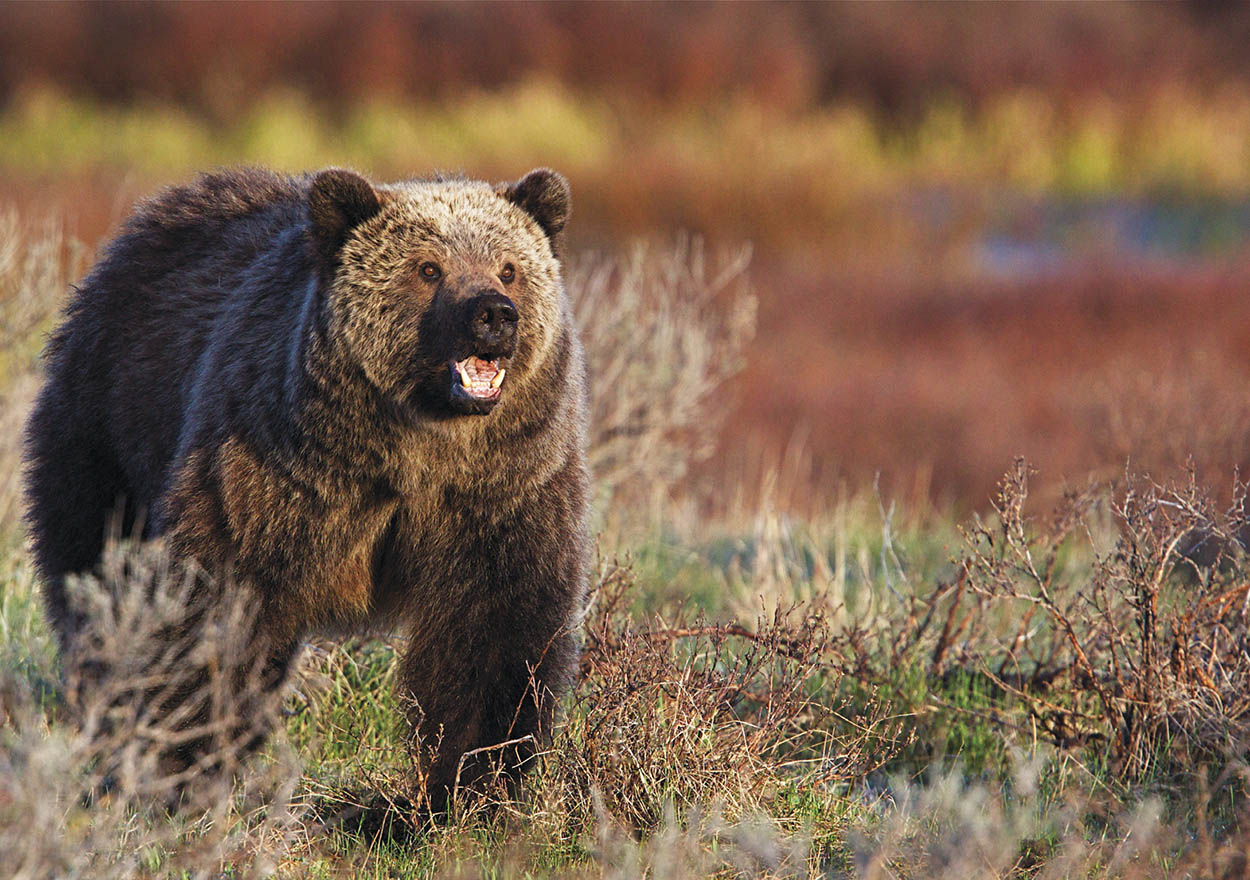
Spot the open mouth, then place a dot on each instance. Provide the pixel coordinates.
(477, 380)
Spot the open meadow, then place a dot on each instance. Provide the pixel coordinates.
(919, 430)
(866, 691)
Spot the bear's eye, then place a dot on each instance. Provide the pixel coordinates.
(508, 273)
(430, 271)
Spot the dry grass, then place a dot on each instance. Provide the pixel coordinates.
(37, 264)
(664, 329)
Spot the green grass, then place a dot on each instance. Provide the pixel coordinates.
(27, 649)
(347, 730)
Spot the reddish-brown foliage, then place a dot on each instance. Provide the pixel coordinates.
(219, 57)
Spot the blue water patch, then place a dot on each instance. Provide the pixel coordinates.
(1030, 237)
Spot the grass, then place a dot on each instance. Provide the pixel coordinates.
(1055, 691)
(765, 747)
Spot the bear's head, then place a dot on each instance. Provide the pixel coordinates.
(446, 292)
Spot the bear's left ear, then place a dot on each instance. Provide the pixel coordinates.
(544, 195)
(338, 202)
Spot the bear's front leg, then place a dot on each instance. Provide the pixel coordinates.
(495, 712)
(492, 644)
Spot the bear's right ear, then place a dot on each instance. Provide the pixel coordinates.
(544, 195)
(338, 202)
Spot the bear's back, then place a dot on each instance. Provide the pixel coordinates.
(139, 324)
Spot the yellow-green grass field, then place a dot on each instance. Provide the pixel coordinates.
(732, 168)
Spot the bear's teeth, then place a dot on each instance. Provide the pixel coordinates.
(464, 376)
(498, 380)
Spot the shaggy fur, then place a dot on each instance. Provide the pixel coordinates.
(260, 372)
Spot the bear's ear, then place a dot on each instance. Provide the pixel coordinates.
(338, 202)
(544, 195)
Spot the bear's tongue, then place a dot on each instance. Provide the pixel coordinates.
(480, 378)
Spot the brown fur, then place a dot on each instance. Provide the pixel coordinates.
(258, 368)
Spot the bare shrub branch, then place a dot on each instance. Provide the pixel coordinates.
(1120, 620)
(707, 713)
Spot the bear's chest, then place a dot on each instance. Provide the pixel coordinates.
(308, 545)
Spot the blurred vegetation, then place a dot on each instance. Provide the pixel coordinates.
(977, 231)
(217, 59)
(733, 167)
(1065, 263)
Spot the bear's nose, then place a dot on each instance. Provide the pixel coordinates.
(492, 323)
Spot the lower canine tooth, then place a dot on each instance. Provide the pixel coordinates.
(498, 380)
(464, 377)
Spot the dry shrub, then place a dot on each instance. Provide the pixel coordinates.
(1119, 621)
(175, 660)
(954, 830)
(161, 664)
(1153, 646)
(685, 714)
(663, 329)
(703, 845)
(36, 265)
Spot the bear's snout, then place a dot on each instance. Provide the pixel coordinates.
(492, 324)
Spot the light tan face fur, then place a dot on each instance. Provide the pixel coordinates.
(404, 327)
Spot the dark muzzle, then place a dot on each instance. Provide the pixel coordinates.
(492, 323)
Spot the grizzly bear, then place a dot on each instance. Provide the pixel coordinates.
(364, 405)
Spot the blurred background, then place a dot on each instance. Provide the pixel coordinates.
(978, 231)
